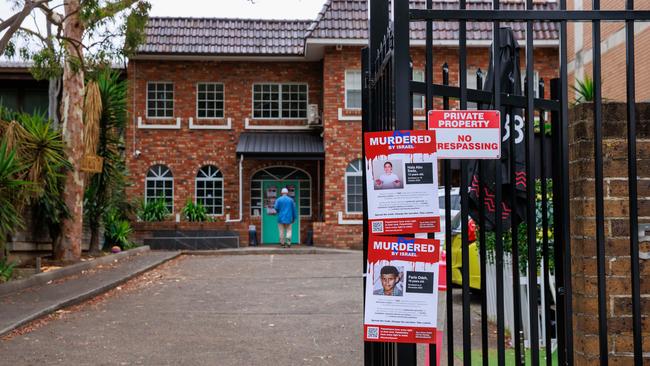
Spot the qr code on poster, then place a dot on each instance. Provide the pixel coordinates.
(372, 333)
(377, 226)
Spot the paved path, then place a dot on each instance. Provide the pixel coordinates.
(21, 307)
(214, 310)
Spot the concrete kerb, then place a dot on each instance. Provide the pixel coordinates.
(269, 250)
(45, 277)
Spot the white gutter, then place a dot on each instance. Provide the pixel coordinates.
(241, 191)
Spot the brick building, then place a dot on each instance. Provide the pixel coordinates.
(227, 111)
(580, 51)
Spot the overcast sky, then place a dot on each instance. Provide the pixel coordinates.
(265, 9)
(260, 9)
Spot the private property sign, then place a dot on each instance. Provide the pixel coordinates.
(466, 134)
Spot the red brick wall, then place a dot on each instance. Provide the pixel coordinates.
(184, 151)
(616, 229)
(343, 138)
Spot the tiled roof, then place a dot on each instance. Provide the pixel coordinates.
(347, 19)
(204, 36)
(339, 19)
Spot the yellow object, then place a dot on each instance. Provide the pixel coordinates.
(457, 263)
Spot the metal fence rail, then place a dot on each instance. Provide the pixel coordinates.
(387, 74)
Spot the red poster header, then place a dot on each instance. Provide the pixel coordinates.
(402, 248)
(464, 119)
(399, 142)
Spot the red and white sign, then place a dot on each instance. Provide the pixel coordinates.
(401, 290)
(466, 134)
(402, 182)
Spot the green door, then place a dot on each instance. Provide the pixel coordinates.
(270, 192)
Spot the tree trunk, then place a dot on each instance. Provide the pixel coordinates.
(69, 249)
(53, 101)
(94, 248)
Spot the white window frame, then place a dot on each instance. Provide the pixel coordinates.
(223, 92)
(535, 80)
(159, 177)
(420, 96)
(173, 99)
(280, 85)
(347, 174)
(210, 179)
(261, 193)
(345, 87)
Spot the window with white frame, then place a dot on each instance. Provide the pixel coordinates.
(209, 189)
(352, 89)
(160, 99)
(472, 83)
(354, 187)
(159, 185)
(280, 101)
(535, 81)
(209, 100)
(418, 99)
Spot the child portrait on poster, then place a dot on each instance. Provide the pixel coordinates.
(388, 174)
(390, 281)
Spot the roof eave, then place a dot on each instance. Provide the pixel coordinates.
(421, 43)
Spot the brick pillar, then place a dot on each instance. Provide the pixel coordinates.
(617, 242)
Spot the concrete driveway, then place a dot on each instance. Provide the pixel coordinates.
(213, 310)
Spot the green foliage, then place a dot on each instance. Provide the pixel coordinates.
(6, 269)
(195, 212)
(40, 150)
(10, 187)
(105, 190)
(522, 241)
(152, 211)
(584, 89)
(117, 230)
(113, 29)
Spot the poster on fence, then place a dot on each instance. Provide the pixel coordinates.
(402, 182)
(401, 290)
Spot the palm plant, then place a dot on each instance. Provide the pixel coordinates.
(584, 89)
(39, 149)
(10, 186)
(105, 190)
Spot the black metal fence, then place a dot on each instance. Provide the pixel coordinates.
(502, 200)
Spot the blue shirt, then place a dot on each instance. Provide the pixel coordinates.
(286, 210)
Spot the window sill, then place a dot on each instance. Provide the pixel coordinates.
(227, 126)
(175, 126)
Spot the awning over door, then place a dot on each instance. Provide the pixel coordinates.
(287, 145)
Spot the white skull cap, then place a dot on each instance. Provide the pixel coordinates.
(284, 191)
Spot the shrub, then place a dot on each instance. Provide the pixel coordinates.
(195, 212)
(522, 242)
(6, 269)
(117, 230)
(152, 211)
(10, 191)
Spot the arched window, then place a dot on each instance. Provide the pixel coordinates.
(353, 187)
(281, 173)
(209, 189)
(160, 186)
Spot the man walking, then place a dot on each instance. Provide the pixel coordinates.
(285, 209)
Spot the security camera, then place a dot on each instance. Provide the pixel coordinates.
(137, 153)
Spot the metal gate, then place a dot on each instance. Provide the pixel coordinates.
(387, 105)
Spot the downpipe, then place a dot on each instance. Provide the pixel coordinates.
(241, 191)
